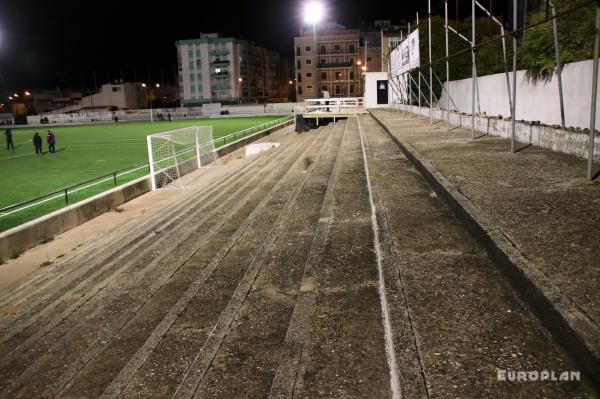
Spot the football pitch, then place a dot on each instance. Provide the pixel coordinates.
(83, 153)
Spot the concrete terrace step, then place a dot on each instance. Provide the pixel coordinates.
(325, 267)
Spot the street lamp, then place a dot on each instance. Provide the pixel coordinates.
(240, 80)
(313, 14)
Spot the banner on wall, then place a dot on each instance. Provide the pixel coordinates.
(406, 56)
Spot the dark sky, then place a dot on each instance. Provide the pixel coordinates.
(44, 44)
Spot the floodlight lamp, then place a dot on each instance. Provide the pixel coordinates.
(143, 84)
(313, 12)
(157, 85)
(15, 95)
(240, 79)
(10, 97)
(27, 93)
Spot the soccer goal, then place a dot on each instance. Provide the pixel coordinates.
(174, 153)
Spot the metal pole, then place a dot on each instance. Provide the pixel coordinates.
(514, 91)
(558, 68)
(408, 82)
(506, 66)
(473, 71)
(419, 86)
(430, 67)
(594, 97)
(447, 64)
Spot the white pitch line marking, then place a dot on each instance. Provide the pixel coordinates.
(389, 341)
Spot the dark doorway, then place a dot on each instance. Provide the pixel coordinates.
(382, 92)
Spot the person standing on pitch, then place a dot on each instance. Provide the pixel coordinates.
(51, 140)
(9, 140)
(169, 116)
(37, 142)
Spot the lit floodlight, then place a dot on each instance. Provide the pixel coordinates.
(27, 93)
(143, 84)
(240, 80)
(158, 85)
(313, 12)
(10, 97)
(15, 95)
(291, 82)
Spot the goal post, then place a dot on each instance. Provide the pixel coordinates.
(171, 154)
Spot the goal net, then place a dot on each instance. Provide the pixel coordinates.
(174, 153)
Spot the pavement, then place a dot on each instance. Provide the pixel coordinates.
(325, 267)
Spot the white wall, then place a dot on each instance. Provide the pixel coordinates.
(370, 95)
(539, 102)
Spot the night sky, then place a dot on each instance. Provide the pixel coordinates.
(45, 44)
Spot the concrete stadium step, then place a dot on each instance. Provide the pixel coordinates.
(88, 294)
(80, 293)
(465, 318)
(114, 245)
(130, 242)
(88, 341)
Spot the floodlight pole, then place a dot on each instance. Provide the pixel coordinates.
(558, 66)
(594, 97)
(474, 76)
(430, 67)
(514, 91)
(447, 64)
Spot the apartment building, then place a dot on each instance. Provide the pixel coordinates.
(225, 69)
(333, 60)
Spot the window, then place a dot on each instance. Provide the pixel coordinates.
(192, 77)
(298, 51)
(199, 76)
(351, 75)
(308, 61)
(338, 76)
(308, 75)
(324, 75)
(198, 53)
(337, 47)
(368, 59)
(323, 61)
(299, 78)
(193, 87)
(191, 53)
(116, 88)
(308, 87)
(300, 90)
(352, 89)
(323, 50)
(338, 89)
(351, 48)
(298, 64)
(324, 88)
(307, 48)
(191, 65)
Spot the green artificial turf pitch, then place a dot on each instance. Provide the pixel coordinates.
(83, 153)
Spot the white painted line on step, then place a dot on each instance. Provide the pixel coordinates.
(389, 341)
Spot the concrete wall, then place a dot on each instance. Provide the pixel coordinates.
(30, 234)
(565, 141)
(535, 102)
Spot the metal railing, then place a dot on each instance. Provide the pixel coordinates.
(65, 192)
(333, 104)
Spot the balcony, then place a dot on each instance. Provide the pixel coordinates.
(220, 63)
(343, 64)
(217, 53)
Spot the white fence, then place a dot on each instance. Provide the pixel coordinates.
(344, 104)
(206, 111)
(535, 102)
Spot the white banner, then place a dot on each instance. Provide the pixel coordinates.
(406, 56)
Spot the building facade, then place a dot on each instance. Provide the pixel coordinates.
(225, 69)
(332, 59)
(116, 96)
